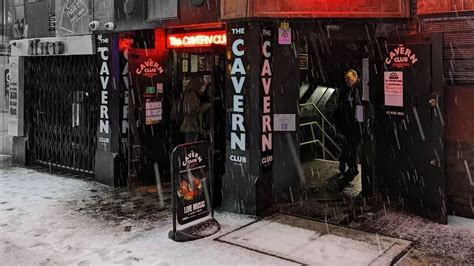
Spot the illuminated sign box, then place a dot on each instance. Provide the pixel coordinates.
(196, 40)
(332, 8)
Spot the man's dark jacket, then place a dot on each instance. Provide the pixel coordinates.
(346, 123)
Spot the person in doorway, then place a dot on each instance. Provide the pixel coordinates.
(347, 125)
(206, 97)
(191, 109)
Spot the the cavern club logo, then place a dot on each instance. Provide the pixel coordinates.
(393, 76)
(401, 57)
(149, 68)
(191, 158)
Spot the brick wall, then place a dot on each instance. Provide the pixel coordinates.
(459, 108)
(104, 11)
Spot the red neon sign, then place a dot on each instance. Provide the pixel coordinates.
(199, 39)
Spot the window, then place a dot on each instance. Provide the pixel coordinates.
(162, 9)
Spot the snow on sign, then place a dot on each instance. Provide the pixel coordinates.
(393, 88)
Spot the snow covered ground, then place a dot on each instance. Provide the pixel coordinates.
(43, 221)
(37, 226)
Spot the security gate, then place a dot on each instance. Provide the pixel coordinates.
(61, 105)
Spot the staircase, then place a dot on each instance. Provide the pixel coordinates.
(318, 136)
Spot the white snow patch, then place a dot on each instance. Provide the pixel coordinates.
(36, 227)
(461, 222)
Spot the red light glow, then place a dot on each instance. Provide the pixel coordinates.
(125, 44)
(200, 39)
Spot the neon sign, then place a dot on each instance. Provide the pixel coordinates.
(401, 57)
(200, 39)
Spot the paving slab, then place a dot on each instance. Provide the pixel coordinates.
(312, 242)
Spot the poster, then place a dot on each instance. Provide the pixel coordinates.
(365, 80)
(194, 63)
(6, 102)
(153, 112)
(153, 104)
(285, 122)
(303, 61)
(14, 127)
(185, 67)
(393, 88)
(202, 63)
(191, 175)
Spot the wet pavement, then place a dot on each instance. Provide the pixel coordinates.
(433, 243)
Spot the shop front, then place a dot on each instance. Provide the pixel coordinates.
(178, 62)
(52, 110)
(274, 83)
(293, 163)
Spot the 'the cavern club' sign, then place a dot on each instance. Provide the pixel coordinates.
(201, 39)
(401, 57)
(237, 152)
(149, 68)
(104, 134)
(266, 148)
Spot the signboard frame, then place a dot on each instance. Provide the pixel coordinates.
(192, 198)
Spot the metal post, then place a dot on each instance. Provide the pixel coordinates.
(173, 196)
(324, 140)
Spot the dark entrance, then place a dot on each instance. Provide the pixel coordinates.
(61, 111)
(326, 52)
(202, 69)
(410, 126)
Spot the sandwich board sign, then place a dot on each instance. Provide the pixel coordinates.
(192, 192)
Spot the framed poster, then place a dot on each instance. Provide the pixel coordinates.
(393, 88)
(303, 61)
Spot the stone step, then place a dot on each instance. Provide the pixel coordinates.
(5, 161)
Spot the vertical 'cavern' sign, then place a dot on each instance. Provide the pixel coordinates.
(266, 149)
(104, 133)
(237, 150)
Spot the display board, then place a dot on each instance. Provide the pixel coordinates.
(334, 8)
(425, 7)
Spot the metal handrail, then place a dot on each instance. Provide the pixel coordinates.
(320, 113)
(324, 134)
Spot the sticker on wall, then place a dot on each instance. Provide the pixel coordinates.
(284, 34)
(393, 88)
(284, 122)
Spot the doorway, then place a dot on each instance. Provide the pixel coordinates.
(324, 56)
(201, 73)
